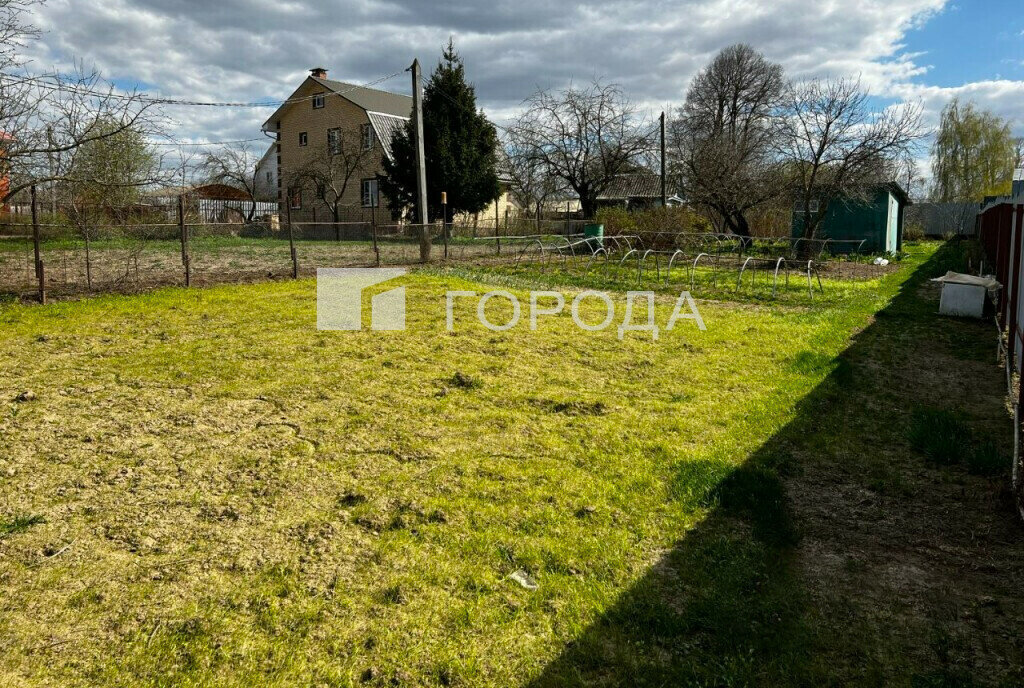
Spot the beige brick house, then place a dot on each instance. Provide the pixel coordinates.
(309, 125)
(318, 114)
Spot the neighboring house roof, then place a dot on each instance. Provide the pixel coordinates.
(385, 126)
(636, 185)
(269, 155)
(219, 192)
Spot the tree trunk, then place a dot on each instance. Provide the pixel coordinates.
(588, 206)
(742, 227)
(88, 263)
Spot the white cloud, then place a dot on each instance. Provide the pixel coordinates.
(253, 49)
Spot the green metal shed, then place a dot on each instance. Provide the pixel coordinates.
(878, 222)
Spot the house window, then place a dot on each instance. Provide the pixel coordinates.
(318, 101)
(367, 136)
(334, 141)
(270, 176)
(295, 198)
(370, 196)
(303, 138)
(798, 206)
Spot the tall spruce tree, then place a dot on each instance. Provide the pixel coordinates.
(460, 146)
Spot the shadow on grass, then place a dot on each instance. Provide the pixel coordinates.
(725, 606)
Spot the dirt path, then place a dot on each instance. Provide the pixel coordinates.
(914, 571)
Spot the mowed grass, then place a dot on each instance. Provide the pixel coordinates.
(202, 488)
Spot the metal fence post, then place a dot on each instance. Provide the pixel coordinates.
(373, 231)
(183, 229)
(497, 227)
(291, 240)
(40, 270)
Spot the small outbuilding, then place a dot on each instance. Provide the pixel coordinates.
(877, 221)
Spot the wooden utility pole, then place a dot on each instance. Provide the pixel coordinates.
(664, 177)
(421, 164)
(40, 270)
(444, 221)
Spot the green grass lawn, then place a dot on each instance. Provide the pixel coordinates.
(202, 488)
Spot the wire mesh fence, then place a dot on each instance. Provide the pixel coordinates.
(131, 252)
(128, 250)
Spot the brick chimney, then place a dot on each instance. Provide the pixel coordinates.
(319, 72)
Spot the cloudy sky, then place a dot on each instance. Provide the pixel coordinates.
(248, 50)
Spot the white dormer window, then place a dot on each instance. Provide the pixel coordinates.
(367, 136)
(318, 101)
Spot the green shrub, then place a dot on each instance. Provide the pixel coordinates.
(914, 231)
(656, 226)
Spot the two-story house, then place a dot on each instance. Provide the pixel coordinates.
(312, 122)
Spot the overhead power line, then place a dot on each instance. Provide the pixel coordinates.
(205, 143)
(57, 86)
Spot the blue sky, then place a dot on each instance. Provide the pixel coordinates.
(971, 41)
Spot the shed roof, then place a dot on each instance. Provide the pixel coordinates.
(899, 192)
(633, 185)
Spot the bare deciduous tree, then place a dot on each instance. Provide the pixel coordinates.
(834, 145)
(107, 176)
(330, 171)
(235, 165)
(532, 182)
(583, 137)
(44, 118)
(724, 136)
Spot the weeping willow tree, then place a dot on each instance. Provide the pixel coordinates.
(973, 155)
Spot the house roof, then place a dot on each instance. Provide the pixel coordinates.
(370, 99)
(634, 185)
(385, 126)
